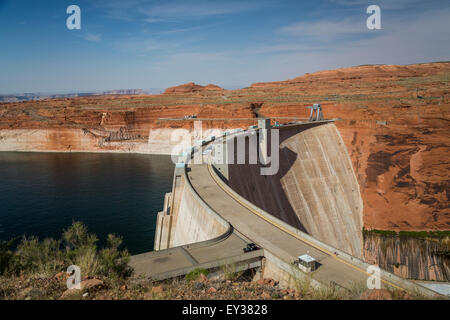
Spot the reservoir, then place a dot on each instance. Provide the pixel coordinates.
(42, 193)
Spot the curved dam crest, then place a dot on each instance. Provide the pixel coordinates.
(315, 189)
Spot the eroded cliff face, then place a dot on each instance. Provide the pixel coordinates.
(143, 124)
(412, 258)
(403, 171)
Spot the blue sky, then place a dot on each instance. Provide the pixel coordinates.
(157, 44)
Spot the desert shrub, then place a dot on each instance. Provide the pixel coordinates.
(356, 288)
(81, 248)
(230, 272)
(88, 261)
(195, 274)
(309, 291)
(77, 236)
(114, 262)
(6, 256)
(41, 257)
(76, 247)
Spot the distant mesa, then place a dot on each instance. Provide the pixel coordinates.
(192, 87)
(41, 96)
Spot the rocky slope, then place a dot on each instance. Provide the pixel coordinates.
(236, 287)
(410, 257)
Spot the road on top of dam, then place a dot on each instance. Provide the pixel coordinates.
(268, 236)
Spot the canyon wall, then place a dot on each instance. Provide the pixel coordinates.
(143, 124)
(409, 257)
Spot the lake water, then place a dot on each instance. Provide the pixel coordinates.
(42, 193)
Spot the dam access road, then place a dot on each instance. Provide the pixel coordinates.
(279, 243)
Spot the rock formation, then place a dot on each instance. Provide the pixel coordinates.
(192, 87)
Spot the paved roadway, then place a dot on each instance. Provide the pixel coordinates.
(267, 235)
(181, 260)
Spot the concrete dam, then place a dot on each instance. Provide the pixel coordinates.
(312, 205)
(315, 189)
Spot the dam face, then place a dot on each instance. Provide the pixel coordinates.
(315, 189)
(186, 218)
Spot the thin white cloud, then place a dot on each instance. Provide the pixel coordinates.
(187, 29)
(282, 47)
(92, 37)
(198, 8)
(141, 45)
(384, 4)
(174, 10)
(153, 20)
(325, 28)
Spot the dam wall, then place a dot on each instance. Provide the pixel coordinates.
(186, 218)
(315, 189)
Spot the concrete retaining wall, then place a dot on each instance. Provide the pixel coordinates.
(186, 217)
(195, 221)
(287, 275)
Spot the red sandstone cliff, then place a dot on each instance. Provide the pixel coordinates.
(191, 87)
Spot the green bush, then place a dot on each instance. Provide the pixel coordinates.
(195, 274)
(114, 262)
(230, 272)
(77, 236)
(6, 255)
(40, 257)
(88, 261)
(76, 247)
